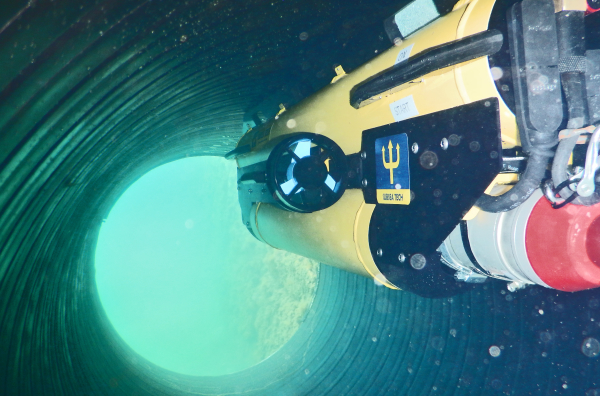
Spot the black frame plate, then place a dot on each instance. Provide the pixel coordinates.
(440, 194)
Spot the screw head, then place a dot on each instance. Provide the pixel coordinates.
(401, 257)
(415, 148)
(379, 252)
(363, 155)
(364, 182)
(444, 144)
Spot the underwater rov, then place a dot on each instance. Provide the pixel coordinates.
(468, 150)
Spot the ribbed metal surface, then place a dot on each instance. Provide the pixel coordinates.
(94, 94)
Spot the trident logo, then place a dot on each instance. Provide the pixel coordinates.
(391, 165)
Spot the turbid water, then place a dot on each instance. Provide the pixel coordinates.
(184, 283)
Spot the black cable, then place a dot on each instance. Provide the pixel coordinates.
(538, 115)
(471, 47)
(464, 234)
(530, 181)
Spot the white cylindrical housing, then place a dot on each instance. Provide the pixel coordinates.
(493, 244)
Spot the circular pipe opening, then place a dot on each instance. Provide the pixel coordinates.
(183, 282)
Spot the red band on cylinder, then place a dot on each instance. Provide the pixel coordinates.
(563, 245)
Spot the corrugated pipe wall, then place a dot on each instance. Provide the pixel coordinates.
(93, 94)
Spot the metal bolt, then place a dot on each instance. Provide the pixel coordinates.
(363, 155)
(515, 285)
(444, 144)
(401, 257)
(415, 148)
(379, 252)
(364, 182)
(418, 261)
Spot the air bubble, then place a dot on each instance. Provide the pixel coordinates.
(383, 305)
(438, 343)
(497, 384)
(590, 347)
(379, 280)
(545, 336)
(497, 73)
(494, 351)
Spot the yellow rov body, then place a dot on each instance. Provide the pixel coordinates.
(338, 235)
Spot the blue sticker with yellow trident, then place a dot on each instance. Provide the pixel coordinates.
(392, 173)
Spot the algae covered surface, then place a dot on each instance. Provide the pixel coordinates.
(185, 284)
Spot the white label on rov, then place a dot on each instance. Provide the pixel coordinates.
(404, 54)
(404, 108)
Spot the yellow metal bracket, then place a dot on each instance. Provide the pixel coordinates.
(339, 70)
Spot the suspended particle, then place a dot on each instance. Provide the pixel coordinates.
(303, 36)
